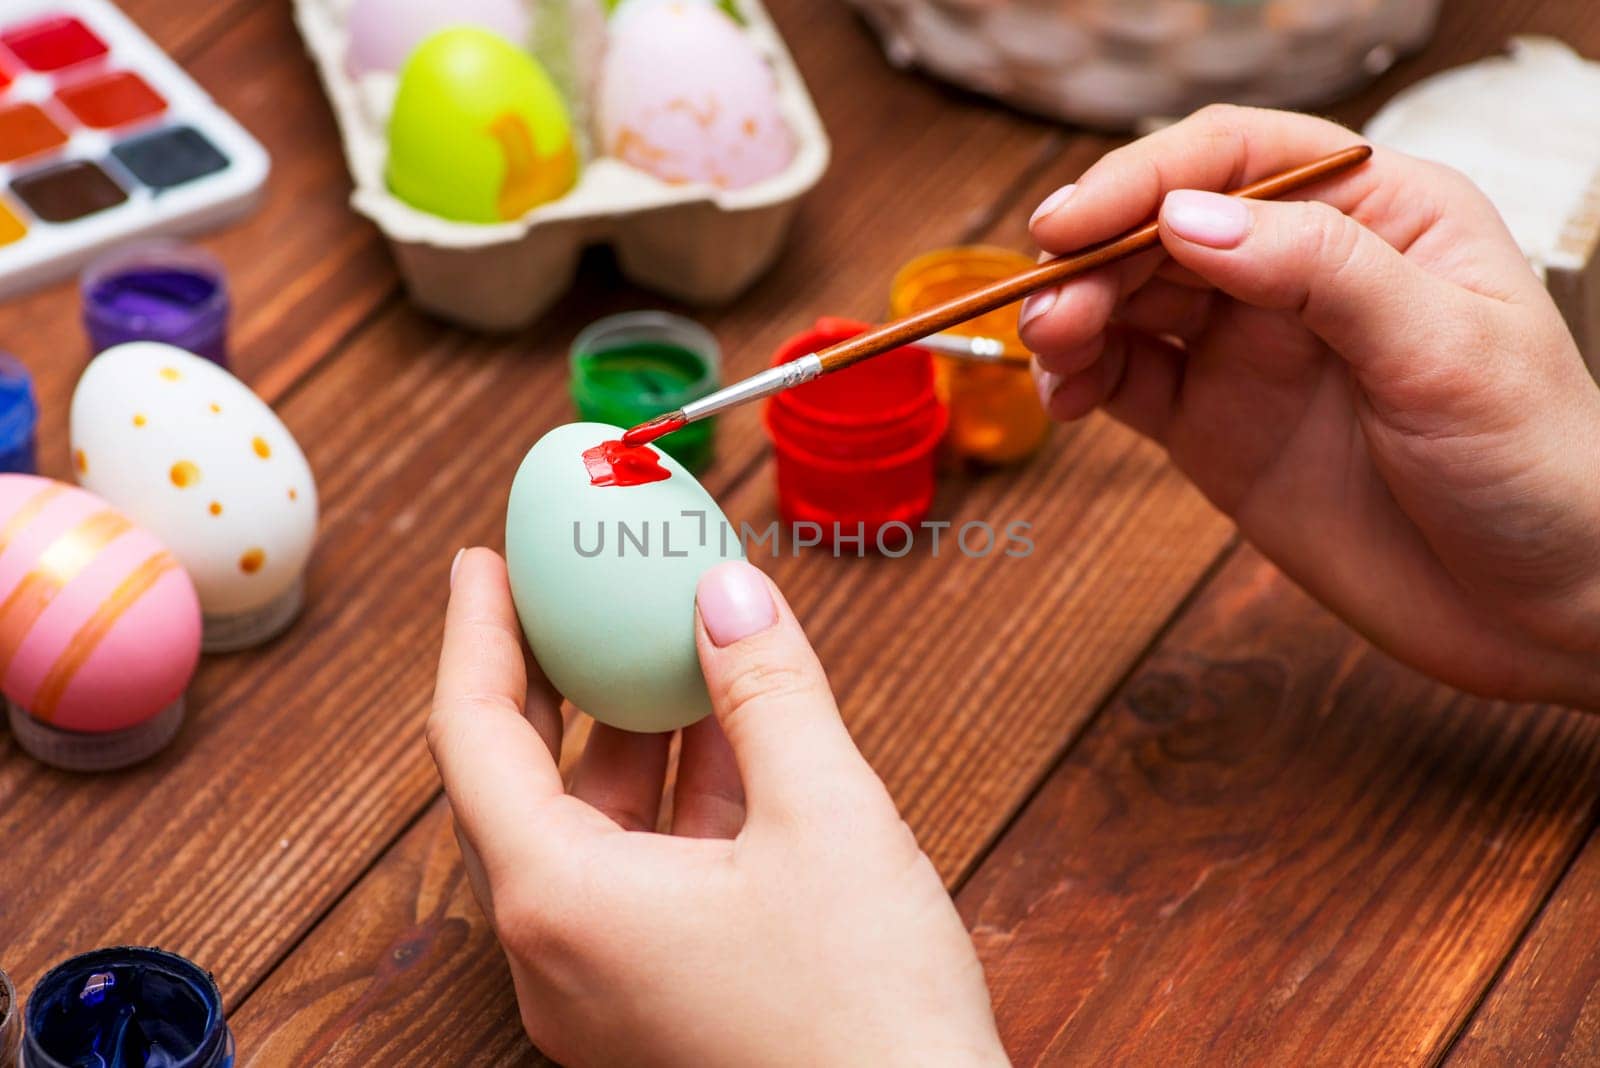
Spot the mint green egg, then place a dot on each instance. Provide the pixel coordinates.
(604, 580)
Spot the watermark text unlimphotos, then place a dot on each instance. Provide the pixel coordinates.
(974, 539)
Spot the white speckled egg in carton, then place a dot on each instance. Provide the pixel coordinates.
(1113, 63)
(691, 241)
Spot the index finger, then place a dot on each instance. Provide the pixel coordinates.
(1219, 148)
(494, 748)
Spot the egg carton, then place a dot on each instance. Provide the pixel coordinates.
(692, 242)
(1113, 63)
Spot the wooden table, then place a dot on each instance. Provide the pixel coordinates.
(1188, 816)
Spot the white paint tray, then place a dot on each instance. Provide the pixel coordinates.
(696, 243)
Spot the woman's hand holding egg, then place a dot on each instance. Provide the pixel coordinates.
(787, 917)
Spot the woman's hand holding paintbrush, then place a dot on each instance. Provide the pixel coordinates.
(941, 317)
(1375, 387)
(1371, 383)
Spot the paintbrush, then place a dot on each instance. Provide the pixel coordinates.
(914, 328)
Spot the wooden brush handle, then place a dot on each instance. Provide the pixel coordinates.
(971, 305)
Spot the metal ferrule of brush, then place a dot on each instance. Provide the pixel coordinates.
(981, 349)
(757, 386)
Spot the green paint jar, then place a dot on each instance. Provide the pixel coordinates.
(632, 367)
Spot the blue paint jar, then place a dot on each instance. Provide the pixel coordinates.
(19, 418)
(127, 1007)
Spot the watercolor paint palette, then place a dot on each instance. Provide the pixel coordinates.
(103, 138)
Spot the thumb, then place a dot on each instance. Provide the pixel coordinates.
(1382, 313)
(772, 699)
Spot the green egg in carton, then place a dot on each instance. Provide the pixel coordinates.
(479, 132)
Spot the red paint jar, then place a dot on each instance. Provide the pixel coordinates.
(856, 449)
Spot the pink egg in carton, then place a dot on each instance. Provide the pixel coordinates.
(693, 241)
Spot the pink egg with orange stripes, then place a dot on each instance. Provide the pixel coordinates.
(99, 625)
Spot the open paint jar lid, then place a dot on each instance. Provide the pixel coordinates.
(127, 1005)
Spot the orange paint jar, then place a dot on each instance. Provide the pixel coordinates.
(995, 414)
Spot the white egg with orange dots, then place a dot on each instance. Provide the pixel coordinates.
(190, 452)
(99, 628)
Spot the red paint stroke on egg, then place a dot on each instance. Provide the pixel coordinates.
(611, 463)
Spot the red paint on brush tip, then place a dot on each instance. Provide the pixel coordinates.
(659, 427)
(611, 463)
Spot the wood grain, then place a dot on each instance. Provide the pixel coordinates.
(406, 969)
(405, 960)
(1545, 1007)
(1276, 846)
(959, 746)
(184, 30)
(963, 679)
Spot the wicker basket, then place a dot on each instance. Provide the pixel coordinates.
(1111, 63)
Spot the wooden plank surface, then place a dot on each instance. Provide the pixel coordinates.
(1545, 1007)
(959, 750)
(293, 840)
(1277, 846)
(406, 964)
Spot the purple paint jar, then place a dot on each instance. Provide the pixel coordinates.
(158, 291)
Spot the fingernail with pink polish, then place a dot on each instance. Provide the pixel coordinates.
(455, 565)
(1046, 382)
(1052, 202)
(1208, 219)
(735, 602)
(1035, 306)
